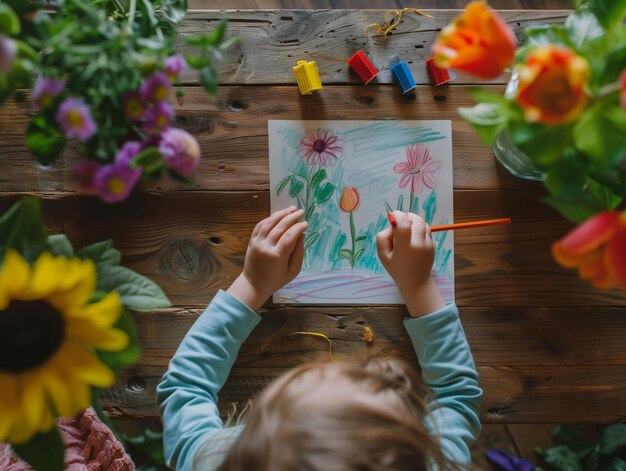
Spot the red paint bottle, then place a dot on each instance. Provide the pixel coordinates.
(363, 67)
(437, 76)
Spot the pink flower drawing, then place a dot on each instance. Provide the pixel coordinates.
(419, 169)
(320, 147)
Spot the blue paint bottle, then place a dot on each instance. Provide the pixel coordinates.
(403, 77)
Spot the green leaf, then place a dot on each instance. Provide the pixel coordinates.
(324, 192)
(209, 79)
(9, 22)
(216, 36)
(613, 439)
(102, 253)
(283, 183)
(582, 26)
(118, 360)
(309, 212)
(60, 245)
(319, 176)
(148, 445)
(487, 119)
(44, 452)
(197, 62)
(568, 432)
(345, 253)
(609, 12)
(616, 464)
(360, 238)
(44, 140)
(567, 175)
(310, 239)
(22, 229)
(136, 291)
(561, 458)
(601, 133)
(544, 145)
(575, 207)
(400, 202)
(149, 159)
(359, 253)
(547, 34)
(175, 10)
(295, 187)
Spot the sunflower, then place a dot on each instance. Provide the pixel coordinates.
(49, 331)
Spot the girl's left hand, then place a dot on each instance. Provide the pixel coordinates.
(274, 257)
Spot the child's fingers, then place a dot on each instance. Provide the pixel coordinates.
(271, 221)
(288, 240)
(297, 257)
(257, 228)
(282, 225)
(418, 229)
(402, 231)
(384, 243)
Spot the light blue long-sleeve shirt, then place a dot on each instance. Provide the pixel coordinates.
(187, 395)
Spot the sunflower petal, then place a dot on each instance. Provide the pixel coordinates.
(55, 381)
(85, 366)
(77, 285)
(102, 314)
(45, 277)
(32, 404)
(85, 332)
(17, 273)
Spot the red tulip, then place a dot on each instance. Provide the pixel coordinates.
(597, 248)
(478, 42)
(350, 199)
(551, 85)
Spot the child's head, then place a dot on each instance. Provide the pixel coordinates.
(329, 417)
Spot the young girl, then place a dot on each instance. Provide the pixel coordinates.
(326, 417)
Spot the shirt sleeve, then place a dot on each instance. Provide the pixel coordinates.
(448, 369)
(187, 394)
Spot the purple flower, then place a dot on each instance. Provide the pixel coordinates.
(44, 91)
(158, 117)
(133, 106)
(155, 88)
(75, 119)
(507, 462)
(86, 170)
(174, 65)
(115, 181)
(180, 150)
(8, 50)
(129, 150)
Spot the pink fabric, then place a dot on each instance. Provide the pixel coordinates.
(89, 446)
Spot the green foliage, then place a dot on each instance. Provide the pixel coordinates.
(44, 452)
(147, 449)
(22, 229)
(60, 245)
(610, 13)
(135, 290)
(575, 452)
(324, 192)
(44, 140)
(118, 360)
(487, 119)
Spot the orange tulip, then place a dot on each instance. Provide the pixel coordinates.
(551, 85)
(350, 199)
(478, 42)
(597, 248)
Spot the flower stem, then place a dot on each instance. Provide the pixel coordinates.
(353, 238)
(411, 197)
(131, 15)
(608, 89)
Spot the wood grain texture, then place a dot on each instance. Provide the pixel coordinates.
(193, 243)
(273, 40)
(232, 132)
(382, 4)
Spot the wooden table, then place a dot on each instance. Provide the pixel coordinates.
(547, 346)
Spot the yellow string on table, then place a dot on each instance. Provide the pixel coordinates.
(391, 20)
(324, 336)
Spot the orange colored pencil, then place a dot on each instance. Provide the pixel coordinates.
(471, 224)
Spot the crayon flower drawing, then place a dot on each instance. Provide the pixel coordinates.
(349, 203)
(344, 173)
(317, 148)
(418, 171)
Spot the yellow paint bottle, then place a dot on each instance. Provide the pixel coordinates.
(307, 77)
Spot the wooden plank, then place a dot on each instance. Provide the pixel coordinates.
(232, 132)
(383, 4)
(193, 243)
(273, 40)
(524, 394)
(527, 437)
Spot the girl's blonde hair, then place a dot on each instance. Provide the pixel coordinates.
(327, 417)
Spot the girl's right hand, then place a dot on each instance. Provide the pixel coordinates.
(274, 257)
(407, 253)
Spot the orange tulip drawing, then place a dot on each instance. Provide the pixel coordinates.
(349, 203)
(597, 248)
(478, 42)
(551, 85)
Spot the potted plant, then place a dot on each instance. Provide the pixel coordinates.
(565, 109)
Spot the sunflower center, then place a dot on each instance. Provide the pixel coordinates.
(319, 146)
(30, 333)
